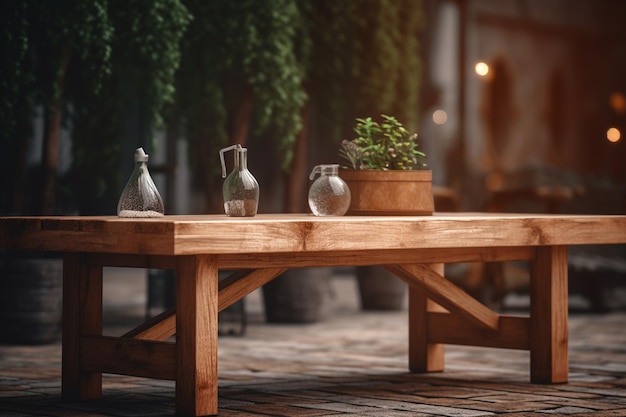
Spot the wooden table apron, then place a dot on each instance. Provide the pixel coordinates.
(261, 248)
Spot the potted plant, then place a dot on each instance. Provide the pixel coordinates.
(386, 171)
(387, 176)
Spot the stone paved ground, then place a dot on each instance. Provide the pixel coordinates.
(351, 363)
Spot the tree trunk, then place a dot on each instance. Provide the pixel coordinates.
(18, 180)
(52, 134)
(296, 184)
(240, 122)
(50, 160)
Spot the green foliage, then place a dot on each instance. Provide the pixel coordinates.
(193, 64)
(144, 58)
(15, 76)
(147, 50)
(278, 87)
(16, 102)
(365, 60)
(66, 34)
(382, 146)
(102, 63)
(234, 50)
(38, 40)
(43, 41)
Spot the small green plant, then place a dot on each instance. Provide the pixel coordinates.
(382, 146)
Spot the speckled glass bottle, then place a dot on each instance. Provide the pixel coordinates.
(140, 197)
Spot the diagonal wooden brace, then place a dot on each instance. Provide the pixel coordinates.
(233, 288)
(241, 283)
(445, 293)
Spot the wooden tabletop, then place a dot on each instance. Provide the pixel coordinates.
(302, 233)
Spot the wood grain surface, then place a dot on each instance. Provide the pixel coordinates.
(301, 233)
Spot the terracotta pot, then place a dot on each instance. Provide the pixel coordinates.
(395, 192)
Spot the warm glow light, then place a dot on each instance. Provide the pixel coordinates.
(618, 103)
(440, 117)
(494, 181)
(481, 69)
(613, 134)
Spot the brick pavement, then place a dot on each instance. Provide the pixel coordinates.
(351, 363)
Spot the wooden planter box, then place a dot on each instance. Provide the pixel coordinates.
(398, 193)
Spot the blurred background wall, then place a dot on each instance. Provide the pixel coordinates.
(533, 94)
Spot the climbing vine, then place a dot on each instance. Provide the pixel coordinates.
(240, 73)
(365, 60)
(16, 93)
(144, 58)
(219, 70)
(90, 65)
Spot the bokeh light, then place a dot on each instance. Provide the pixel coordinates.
(481, 69)
(613, 134)
(440, 117)
(618, 103)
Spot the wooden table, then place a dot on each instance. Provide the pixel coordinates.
(262, 247)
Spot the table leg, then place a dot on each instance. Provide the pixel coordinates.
(423, 356)
(196, 335)
(82, 315)
(548, 316)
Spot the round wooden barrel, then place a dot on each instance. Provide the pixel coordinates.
(379, 289)
(30, 300)
(296, 296)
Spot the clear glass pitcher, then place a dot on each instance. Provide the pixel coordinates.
(240, 189)
(329, 195)
(140, 197)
